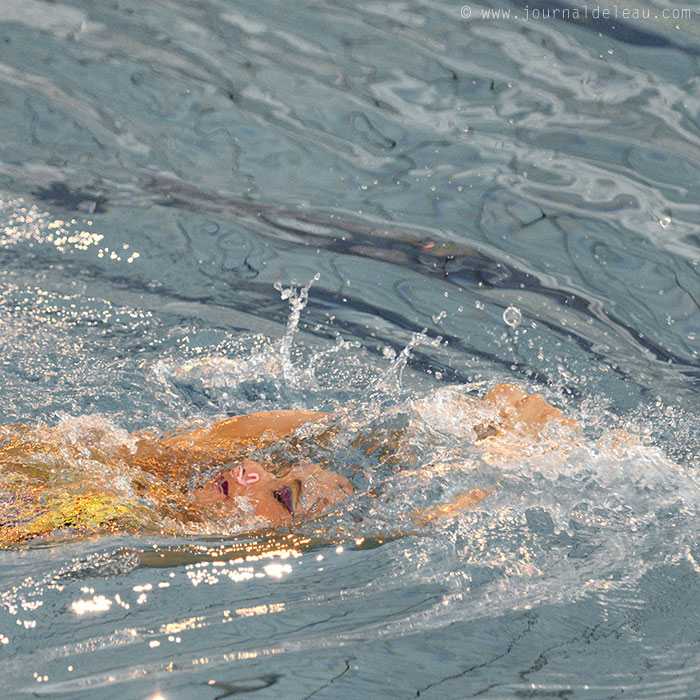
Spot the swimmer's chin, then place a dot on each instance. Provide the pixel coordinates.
(253, 513)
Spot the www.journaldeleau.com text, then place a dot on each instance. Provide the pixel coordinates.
(586, 12)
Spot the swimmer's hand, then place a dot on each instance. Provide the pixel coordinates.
(519, 413)
(443, 511)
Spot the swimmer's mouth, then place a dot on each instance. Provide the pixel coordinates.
(287, 498)
(223, 485)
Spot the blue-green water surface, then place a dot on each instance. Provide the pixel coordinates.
(171, 172)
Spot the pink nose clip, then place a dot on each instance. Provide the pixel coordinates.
(245, 479)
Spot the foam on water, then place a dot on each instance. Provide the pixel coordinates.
(567, 516)
(436, 429)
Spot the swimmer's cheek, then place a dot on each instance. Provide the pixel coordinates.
(208, 495)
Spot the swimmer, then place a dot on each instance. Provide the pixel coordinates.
(309, 491)
(241, 489)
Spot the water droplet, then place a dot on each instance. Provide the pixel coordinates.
(512, 316)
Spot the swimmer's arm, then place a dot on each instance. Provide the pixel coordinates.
(216, 444)
(266, 425)
(513, 412)
(517, 412)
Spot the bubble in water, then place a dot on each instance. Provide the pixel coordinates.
(665, 222)
(512, 316)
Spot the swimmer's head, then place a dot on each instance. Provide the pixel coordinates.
(301, 493)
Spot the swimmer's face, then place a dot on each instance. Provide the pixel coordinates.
(278, 500)
(247, 478)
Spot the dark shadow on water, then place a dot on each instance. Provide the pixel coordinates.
(72, 198)
(614, 27)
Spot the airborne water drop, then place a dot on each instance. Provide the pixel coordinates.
(512, 316)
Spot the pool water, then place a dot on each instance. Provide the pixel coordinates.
(370, 208)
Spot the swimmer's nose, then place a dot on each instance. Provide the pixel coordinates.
(246, 476)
